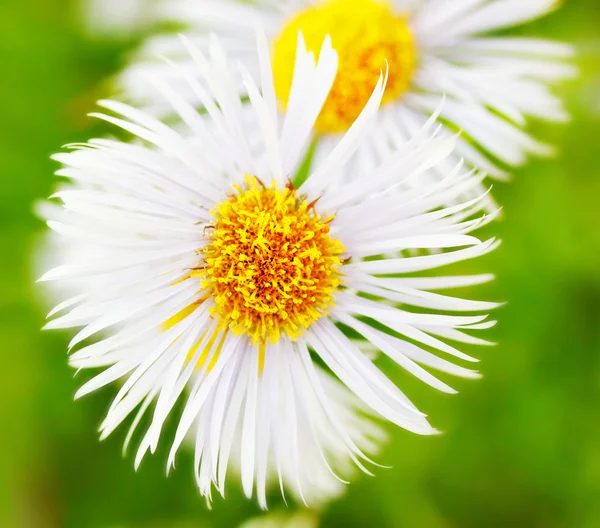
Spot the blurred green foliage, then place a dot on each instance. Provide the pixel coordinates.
(522, 446)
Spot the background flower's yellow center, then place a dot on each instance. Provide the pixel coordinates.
(365, 33)
(271, 264)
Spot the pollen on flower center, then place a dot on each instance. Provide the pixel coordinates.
(271, 265)
(365, 34)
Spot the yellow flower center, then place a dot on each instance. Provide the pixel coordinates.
(365, 34)
(271, 265)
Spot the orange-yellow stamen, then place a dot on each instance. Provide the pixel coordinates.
(366, 34)
(271, 265)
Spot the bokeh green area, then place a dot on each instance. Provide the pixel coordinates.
(521, 447)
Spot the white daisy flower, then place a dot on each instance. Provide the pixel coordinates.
(493, 83)
(193, 261)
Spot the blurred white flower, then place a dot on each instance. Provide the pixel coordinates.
(115, 18)
(195, 262)
(493, 83)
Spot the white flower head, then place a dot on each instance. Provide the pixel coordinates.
(194, 261)
(493, 83)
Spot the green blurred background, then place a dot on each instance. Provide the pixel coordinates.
(522, 446)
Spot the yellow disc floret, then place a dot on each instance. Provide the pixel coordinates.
(366, 34)
(271, 265)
